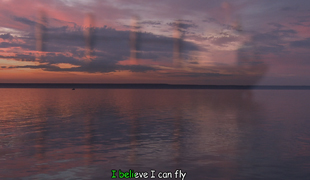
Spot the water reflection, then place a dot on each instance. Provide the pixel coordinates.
(90, 139)
(210, 134)
(177, 134)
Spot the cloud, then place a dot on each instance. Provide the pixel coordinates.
(20, 57)
(24, 21)
(183, 24)
(6, 36)
(150, 23)
(67, 45)
(273, 41)
(273, 29)
(301, 44)
(222, 41)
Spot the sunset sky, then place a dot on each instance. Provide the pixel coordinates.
(224, 42)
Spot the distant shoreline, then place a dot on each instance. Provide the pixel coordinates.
(146, 86)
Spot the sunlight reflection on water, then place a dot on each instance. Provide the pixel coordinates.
(210, 134)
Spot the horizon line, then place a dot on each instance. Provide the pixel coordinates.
(148, 86)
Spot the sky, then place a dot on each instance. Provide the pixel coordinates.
(241, 42)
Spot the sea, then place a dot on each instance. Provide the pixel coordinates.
(186, 134)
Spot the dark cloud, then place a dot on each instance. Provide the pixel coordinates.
(66, 45)
(270, 49)
(42, 66)
(20, 57)
(24, 21)
(273, 41)
(193, 62)
(275, 36)
(150, 23)
(25, 46)
(183, 24)
(301, 44)
(53, 58)
(277, 25)
(6, 36)
(284, 33)
(8, 45)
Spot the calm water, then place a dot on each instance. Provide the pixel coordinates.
(209, 134)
